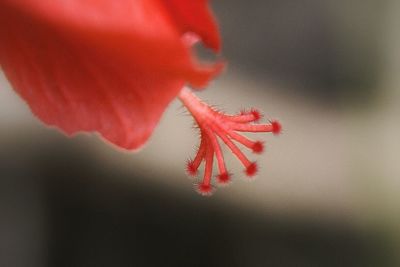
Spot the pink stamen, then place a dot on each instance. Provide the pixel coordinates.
(256, 114)
(256, 146)
(276, 127)
(213, 125)
(223, 176)
(193, 165)
(245, 116)
(255, 128)
(205, 186)
(251, 169)
(235, 150)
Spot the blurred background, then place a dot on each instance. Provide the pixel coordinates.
(328, 191)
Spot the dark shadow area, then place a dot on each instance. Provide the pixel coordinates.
(90, 217)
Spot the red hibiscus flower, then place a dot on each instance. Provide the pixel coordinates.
(112, 67)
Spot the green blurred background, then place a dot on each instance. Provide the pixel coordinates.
(328, 191)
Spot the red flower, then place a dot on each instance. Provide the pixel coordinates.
(112, 67)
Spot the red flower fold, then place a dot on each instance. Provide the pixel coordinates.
(104, 66)
(112, 67)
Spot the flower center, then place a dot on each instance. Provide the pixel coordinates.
(214, 126)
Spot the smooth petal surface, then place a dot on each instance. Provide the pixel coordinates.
(102, 66)
(195, 16)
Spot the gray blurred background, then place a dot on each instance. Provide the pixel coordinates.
(328, 191)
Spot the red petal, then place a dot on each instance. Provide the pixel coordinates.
(195, 16)
(96, 65)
